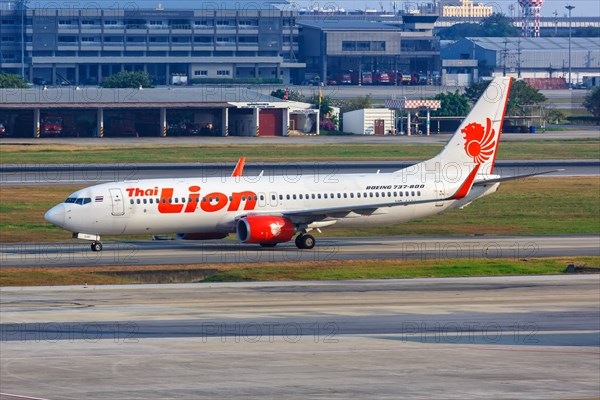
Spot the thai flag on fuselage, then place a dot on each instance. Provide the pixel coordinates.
(99, 199)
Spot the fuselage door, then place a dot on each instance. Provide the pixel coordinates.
(262, 200)
(440, 193)
(273, 199)
(118, 207)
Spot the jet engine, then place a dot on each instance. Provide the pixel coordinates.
(264, 229)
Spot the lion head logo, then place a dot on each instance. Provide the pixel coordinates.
(479, 141)
(275, 228)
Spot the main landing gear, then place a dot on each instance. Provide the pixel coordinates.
(96, 246)
(305, 241)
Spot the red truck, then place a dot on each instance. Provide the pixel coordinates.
(51, 125)
(381, 78)
(344, 78)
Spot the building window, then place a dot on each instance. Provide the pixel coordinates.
(67, 39)
(378, 46)
(201, 73)
(223, 72)
(363, 46)
(225, 23)
(348, 46)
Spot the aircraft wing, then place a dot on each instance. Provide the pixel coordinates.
(319, 214)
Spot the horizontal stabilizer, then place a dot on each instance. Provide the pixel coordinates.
(511, 178)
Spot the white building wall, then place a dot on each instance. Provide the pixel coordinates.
(354, 122)
(362, 122)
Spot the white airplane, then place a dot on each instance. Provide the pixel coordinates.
(271, 210)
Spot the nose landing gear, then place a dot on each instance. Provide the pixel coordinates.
(96, 246)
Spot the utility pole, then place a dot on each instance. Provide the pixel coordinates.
(519, 58)
(505, 56)
(22, 4)
(570, 8)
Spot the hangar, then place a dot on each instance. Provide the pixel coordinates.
(99, 112)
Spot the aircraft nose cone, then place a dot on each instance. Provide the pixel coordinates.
(56, 215)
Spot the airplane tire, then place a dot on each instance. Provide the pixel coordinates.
(305, 242)
(96, 246)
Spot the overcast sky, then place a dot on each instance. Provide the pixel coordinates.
(588, 8)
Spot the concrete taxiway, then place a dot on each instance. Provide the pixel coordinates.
(90, 174)
(157, 252)
(467, 338)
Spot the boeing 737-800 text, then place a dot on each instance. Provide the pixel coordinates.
(271, 210)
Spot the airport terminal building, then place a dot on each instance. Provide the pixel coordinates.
(85, 45)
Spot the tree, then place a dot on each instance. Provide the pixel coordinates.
(452, 105)
(521, 95)
(475, 90)
(293, 95)
(127, 79)
(356, 103)
(592, 102)
(12, 81)
(496, 25)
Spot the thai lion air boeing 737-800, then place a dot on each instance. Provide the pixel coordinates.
(271, 210)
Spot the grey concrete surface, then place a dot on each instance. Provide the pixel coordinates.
(87, 175)
(468, 338)
(130, 253)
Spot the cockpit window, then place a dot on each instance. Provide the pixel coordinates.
(78, 200)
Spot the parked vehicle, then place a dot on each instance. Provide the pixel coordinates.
(367, 78)
(381, 78)
(344, 78)
(51, 125)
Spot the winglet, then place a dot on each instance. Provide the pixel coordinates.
(239, 167)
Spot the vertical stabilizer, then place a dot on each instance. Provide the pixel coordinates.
(473, 148)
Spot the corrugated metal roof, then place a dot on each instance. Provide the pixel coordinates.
(167, 5)
(537, 44)
(69, 96)
(334, 24)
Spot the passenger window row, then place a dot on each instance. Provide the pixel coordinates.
(351, 195)
(179, 200)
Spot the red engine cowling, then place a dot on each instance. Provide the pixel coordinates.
(264, 229)
(201, 236)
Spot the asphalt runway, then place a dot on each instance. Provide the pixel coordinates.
(161, 252)
(466, 338)
(91, 174)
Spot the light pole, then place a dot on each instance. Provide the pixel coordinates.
(22, 4)
(570, 8)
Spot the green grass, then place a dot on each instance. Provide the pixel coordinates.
(322, 270)
(65, 154)
(396, 269)
(529, 206)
